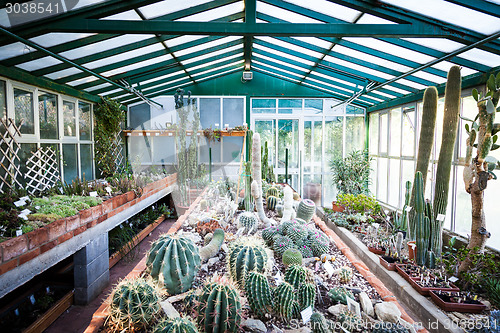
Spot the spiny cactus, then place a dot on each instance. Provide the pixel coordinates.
(258, 293)
(295, 275)
(306, 210)
(345, 274)
(175, 325)
(256, 185)
(296, 196)
(306, 295)
(349, 320)
(285, 304)
(297, 232)
(288, 211)
(272, 191)
(249, 221)
(212, 248)
(279, 210)
(269, 233)
(245, 255)
(305, 250)
(319, 324)
(292, 257)
(174, 261)
(399, 243)
(134, 304)
(248, 188)
(281, 244)
(219, 306)
(319, 243)
(422, 223)
(340, 294)
(271, 202)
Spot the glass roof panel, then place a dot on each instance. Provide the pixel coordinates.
(56, 38)
(315, 41)
(212, 54)
(411, 84)
(217, 69)
(283, 14)
(290, 46)
(276, 73)
(328, 8)
(395, 89)
(14, 50)
(63, 73)
(83, 80)
(278, 69)
(440, 44)
(112, 91)
(482, 57)
(217, 74)
(163, 76)
(100, 86)
(283, 55)
(207, 45)
(362, 69)
(182, 39)
(213, 62)
(391, 49)
(104, 45)
(4, 18)
(445, 66)
(284, 63)
(429, 77)
(39, 63)
(166, 7)
(331, 78)
(124, 56)
(216, 13)
(329, 84)
(451, 13)
(85, 3)
(137, 65)
(129, 15)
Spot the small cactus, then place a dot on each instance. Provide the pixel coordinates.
(296, 196)
(281, 244)
(399, 244)
(319, 324)
(306, 251)
(175, 325)
(271, 202)
(297, 232)
(306, 210)
(292, 257)
(272, 191)
(269, 233)
(258, 293)
(285, 304)
(295, 275)
(340, 294)
(212, 248)
(307, 295)
(345, 274)
(245, 255)
(350, 321)
(203, 204)
(319, 243)
(249, 221)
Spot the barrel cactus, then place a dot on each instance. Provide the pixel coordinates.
(245, 255)
(307, 295)
(249, 221)
(258, 293)
(340, 294)
(305, 251)
(271, 202)
(345, 274)
(174, 261)
(214, 246)
(219, 306)
(297, 232)
(296, 196)
(306, 210)
(285, 304)
(175, 325)
(349, 320)
(319, 243)
(134, 304)
(281, 244)
(203, 204)
(319, 324)
(295, 275)
(269, 233)
(292, 257)
(272, 191)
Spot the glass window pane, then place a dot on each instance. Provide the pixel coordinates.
(394, 170)
(288, 138)
(351, 109)
(69, 118)
(408, 137)
(439, 128)
(384, 118)
(86, 161)
(204, 152)
(373, 176)
(164, 150)
(408, 174)
(354, 134)
(469, 110)
(313, 135)
(55, 148)
(139, 116)
(333, 137)
(48, 114)
(231, 151)
(290, 106)
(374, 133)
(210, 112)
(463, 208)
(23, 105)
(3, 100)
(70, 162)
(395, 132)
(313, 106)
(84, 115)
(233, 112)
(139, 149)
(382, 179)
(266, 129)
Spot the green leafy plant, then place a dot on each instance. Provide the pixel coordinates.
(351, 175)
(358, 203)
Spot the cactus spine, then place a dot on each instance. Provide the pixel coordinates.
(425, 144)
(307, 295)
(212, 248)
(175, 325)
(306, 210)
(257, 180)
(281, 244)
(295, 275)
(245, 255)
(340, 294)
(272, 191)
(399, 244)
(219, 308)
(173, 261)
(285, 304)
(422, 222)
(258, 293)
(269, 233)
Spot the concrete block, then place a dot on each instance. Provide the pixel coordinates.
(87, 274)
(94, 249)
(84, 296)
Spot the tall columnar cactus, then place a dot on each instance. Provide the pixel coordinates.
(306, 210)
(245, 255)
(249, 221)
(285, 303)
(248, 196)
(295, 275)
(403, 222)
(399, 244)
(174, 261)
(292, 257)
(319, 324)
(212, 248)
(258, 293)
(271, 202)
(175, 325)
(425, 144)
(219, 306)
(257, 180)
(306, 295)
(288, 211)
(422, 222)
(134, 304)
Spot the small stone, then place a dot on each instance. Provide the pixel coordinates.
(253, 325)
(204, 267)
(213, 261)
(487, 303)
(387, 311)
(336, 310)
(169, 309)
(366, 304)
(276, 329)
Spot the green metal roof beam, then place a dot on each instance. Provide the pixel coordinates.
(257, 29)
(485, 7)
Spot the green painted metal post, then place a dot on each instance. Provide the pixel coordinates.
(210, 163)
(286, 165)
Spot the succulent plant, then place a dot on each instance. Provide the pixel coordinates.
(345, 274)
(272, 191)
(245, 255)
(297, 232)
(306, 210)
(281, 244)
(292, 257)
(306, 295)
(306, 251)
(271, 202)
(203, 204)
(173, 261)
(340, 294)
(296, 196)
(249, 221)
(319, 324)
(269, 233)
(212, 248)
(175, 325)
(295, 275)
(285, 304)
(258, 293)
(219, 306)
(134, 304)
(319, 243)
(350, 321)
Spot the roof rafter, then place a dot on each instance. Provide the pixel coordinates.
(250, 17)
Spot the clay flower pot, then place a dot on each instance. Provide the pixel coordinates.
(412, 250)
(337, 208)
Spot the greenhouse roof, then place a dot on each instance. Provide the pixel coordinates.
(367, 52)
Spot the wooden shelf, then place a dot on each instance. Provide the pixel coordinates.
(173, 133)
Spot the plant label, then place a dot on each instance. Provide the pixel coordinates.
(440, 217)
(388, 218)
(25, 211)
(148, 134)
(453, 279)
(20, 203)
(156, 134)
(93, 194)
(19, 232)
(408, 209)
(170, 134)
(25, 198)
(24, 217)
(278, 279)
(140, 134)
(216, 124)
(328, 268)
(108, 189)
(353, 306)
(198, 134)
(306, 314)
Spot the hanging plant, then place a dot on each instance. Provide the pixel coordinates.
(212, 135)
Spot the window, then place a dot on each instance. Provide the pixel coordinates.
(69, 118)
(85, 120)
(70, 162)
(48, 115)
(232, 112)
(3, 100)
(24, 114)
(210, 112)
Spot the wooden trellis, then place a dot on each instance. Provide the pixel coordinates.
(43, 170)
(9, 158)
(116, 150)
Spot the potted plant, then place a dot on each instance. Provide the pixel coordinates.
(457, 301)
(426, 282)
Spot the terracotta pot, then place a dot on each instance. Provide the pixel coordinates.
(181, 209)
(337, 208)
(376, 250)
(458, 307)
(424, 291)
(412, 250)
(388, 262)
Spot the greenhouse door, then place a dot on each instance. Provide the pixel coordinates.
(282, 134)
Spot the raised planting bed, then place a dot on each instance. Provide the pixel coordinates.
(456, 302)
